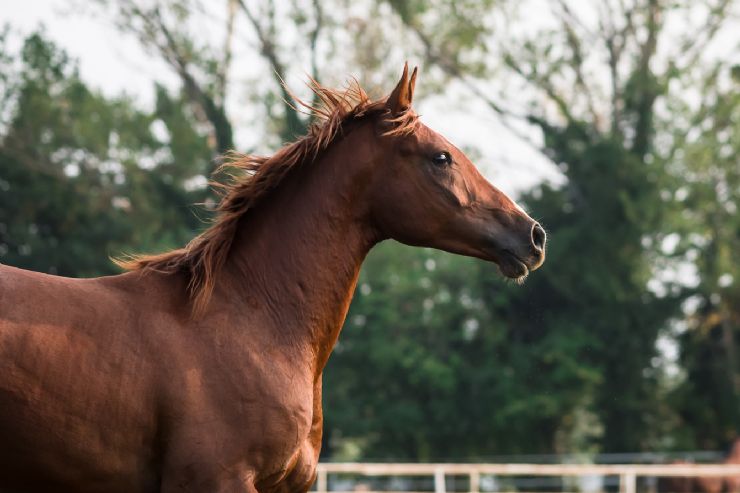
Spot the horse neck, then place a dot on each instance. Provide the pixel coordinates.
(298, 254)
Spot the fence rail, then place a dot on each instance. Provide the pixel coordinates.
(627, 473)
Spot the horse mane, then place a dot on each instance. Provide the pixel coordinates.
(250, 178)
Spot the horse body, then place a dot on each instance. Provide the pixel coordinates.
(162, 404)
(115, 384)
(73, 387)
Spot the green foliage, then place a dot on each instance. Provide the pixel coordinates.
(456, 31)
(707, 175)
(584, 330)
(400, 380)
(84, 177)
(411, 378)
(597, 276)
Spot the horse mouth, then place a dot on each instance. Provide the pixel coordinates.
(512, 266)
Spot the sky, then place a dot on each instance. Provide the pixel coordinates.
(115, 63)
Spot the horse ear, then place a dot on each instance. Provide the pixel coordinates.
(412, 84)
(401, 97)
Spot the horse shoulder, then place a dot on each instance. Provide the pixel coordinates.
(243, 392)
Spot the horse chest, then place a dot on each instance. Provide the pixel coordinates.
(277, 428)
(279, 422)
(262, 413)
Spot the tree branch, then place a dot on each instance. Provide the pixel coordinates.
(695, 45)
(453, 70)
(214, 113)
(293, 124)
(231, 6)
(645, 88)
(154, 32)
(313, 38)
(569, 20)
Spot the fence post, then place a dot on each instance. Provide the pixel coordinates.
(439, 481)
(474, 482)
(322, 483)
(627, 482)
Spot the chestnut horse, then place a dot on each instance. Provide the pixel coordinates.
(200, 369)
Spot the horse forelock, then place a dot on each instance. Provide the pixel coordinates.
(249, 178)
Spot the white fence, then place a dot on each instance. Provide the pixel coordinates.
(627, 473)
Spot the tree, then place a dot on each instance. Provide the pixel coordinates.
(707, 196)
(603, 136)
(84, 177)
(169, 29)
(398, 383)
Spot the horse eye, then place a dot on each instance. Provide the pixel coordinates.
(442, 158)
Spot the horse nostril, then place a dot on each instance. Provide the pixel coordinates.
(538, 237)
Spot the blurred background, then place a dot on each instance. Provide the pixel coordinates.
(616, 123)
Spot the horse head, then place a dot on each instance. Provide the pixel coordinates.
(428, 193)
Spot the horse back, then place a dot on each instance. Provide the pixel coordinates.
(75, 383)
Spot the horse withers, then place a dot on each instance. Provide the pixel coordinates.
(200, 369)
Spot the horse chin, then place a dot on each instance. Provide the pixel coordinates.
(512, 268)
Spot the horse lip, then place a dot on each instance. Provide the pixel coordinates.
(532, 262)
(508, 258)
(510, 264)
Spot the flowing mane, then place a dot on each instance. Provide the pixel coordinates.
(251, 178)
